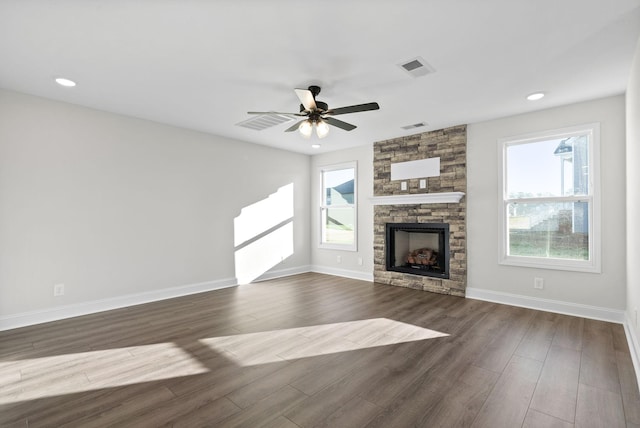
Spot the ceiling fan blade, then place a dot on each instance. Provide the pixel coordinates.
(277, 112)
(340, 124)
(306, 98)
(353, 109)
(294, 127)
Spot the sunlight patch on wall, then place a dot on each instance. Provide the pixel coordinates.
(263, 234)
(264, 253)
(57, 375)
(304, 342)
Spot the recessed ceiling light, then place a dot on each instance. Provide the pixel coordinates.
(65, 82)
(535, 96)
(315, 146)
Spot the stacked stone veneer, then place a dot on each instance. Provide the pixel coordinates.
(450, 145)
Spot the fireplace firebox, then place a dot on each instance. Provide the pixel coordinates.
(418, 248)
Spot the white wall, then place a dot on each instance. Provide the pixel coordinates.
(633, 192)
(114, 206)
(605, 290)
(324, 260)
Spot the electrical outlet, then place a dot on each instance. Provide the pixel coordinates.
(359, 261)
(423, 183)
(58, 290)
(538, 283)
(339, 259)
(403, 185)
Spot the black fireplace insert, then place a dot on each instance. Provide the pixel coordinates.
(418, 248)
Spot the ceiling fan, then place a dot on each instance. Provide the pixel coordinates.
(318, 114)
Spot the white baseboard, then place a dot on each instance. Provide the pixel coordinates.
(9, 322)
(584, 311)
(353, 274)
(283, 272)
(575, 309)
(68, 311)
(634, 347)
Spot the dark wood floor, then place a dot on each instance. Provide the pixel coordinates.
(318, 351)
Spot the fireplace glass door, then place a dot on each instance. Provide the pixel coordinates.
(418, 248)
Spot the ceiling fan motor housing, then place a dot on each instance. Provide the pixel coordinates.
(315, 90)
(320, 106)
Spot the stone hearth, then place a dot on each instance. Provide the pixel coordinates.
(450, 145)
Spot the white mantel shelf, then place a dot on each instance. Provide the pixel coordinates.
(420, 198)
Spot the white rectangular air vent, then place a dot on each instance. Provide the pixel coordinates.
(417, 67)
(264, 121)
(415, 125)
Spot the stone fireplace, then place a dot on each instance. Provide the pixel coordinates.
(425, 204)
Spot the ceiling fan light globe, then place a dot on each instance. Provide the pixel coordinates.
(322, 129)
(306, 128)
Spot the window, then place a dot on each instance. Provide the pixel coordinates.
(338, 207)
(549, 213)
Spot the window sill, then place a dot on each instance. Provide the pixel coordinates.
(338, 247)
(553, 264)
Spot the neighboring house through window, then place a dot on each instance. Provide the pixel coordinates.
(550, 212)
(338, 207)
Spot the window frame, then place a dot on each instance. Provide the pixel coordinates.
(323, 206)
(593, 265)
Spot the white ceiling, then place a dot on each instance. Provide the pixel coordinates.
(203, 64)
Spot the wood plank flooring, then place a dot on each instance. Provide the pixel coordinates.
(318, 351)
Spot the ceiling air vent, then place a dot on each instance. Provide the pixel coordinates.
(417, 67)
(415, 125)
(264, 121)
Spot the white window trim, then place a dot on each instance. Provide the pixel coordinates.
(593, 265)
(333, 167)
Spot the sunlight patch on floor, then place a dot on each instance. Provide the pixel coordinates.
(303, 342)
(57, 375)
